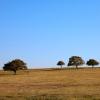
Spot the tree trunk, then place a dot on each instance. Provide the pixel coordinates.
(92, 66)
(76, 66)
(61, 66)
(14, 72)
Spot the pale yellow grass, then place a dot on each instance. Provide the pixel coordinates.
(71, 83)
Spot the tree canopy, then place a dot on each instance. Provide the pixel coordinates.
(15, 65)
(60, 63)
(75, 61)
(92, 62)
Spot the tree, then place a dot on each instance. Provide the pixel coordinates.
(15, 65)
(60, 63)
(75, 61)
(92, 62)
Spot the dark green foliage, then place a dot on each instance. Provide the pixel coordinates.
(75, 61)
(60, 63)
(15, 65)
(92, 62)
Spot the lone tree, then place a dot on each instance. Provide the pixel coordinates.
(92, 62)
(15, 65)
(75, 61)
(60, 63)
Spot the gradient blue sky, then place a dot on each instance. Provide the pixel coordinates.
(41, 32)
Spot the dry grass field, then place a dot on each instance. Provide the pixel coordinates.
(51, 84)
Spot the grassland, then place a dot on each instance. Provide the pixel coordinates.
(51, 84)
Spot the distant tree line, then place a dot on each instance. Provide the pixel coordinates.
(77, 61)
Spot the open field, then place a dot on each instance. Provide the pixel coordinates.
(51, 84)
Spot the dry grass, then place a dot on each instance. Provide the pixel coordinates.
(67, 84)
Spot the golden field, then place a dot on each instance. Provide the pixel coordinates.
(51, 84)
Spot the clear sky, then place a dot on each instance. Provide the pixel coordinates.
(41, 32)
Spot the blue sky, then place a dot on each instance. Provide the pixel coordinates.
(41, 32)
